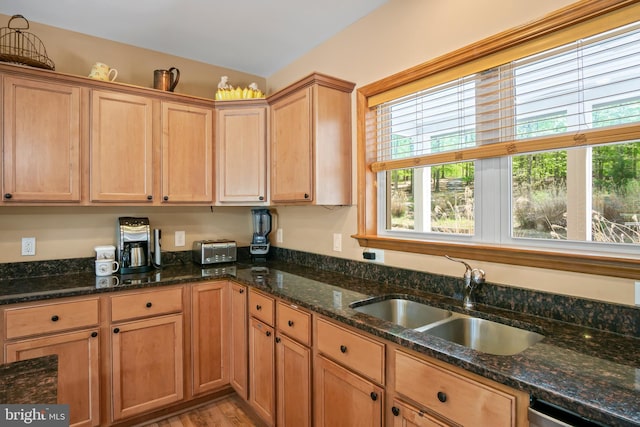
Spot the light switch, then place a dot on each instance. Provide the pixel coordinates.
(179, 238)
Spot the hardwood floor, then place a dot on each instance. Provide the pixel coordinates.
(230, 411)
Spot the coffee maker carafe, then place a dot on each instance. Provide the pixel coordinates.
(259, 247)
(134, 245)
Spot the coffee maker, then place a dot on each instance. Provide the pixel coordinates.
(259, 247)
(134, 245)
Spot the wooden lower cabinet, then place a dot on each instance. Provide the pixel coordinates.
(209, 336)
(293, 367)
(78, 370)
(405, 415)
(262, 380)
(146, 365)
(343, 398)
(239, 359)
(454, 396)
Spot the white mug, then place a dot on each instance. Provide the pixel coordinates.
(107, 281)
(106, 267)
(105, 252)
(101, 71)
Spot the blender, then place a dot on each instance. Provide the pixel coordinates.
(259, 247)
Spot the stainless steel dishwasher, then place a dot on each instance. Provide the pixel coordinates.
(543, 414)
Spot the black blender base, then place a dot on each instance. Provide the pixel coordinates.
(259, 257)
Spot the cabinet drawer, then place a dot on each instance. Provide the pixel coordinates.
(261, 307)
(294, 322)
(46, 318)
(454, 396)
(354, 351)
(145, 304)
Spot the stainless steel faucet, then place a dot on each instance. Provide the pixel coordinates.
(473, 277)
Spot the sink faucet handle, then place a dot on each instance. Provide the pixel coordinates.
(477, 276)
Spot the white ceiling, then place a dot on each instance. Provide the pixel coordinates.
(253, 36)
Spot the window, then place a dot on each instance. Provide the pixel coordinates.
(537, 154)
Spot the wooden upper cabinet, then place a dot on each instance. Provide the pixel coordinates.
(241, 152)
(41, 154)
(121, 164)
(187, 153)
(311, 142)
(291, 148)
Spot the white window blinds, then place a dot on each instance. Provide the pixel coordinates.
(586, 92)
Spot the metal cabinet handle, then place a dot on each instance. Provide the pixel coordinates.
(116, 330)
(165, 198)
(55, 318)
(241, 291)
(268, 333)
(290, 323)
(149, 305)
(343, 348)
(395, 411)
(374, 396)
(94, 334)
(258, 307)
(278, 339)
(442, 397)
(149, 197)
(8, 196)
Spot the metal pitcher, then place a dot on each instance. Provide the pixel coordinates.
(164, 79)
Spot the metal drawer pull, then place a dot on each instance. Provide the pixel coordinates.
(442, 397)
(55, 318)
(343, 348)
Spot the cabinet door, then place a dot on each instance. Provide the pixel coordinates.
(146, 365)
(292, 148)
(187, 153)
(239, 364)
(262, 381)
(241, 155)
(405, 415)
(41, 158)
(209, 336)
(343, 398)
(121, 147)
(293, 383)
(78, 377)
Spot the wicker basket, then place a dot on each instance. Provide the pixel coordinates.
(22, 47)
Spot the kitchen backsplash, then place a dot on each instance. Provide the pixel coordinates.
(615, 318)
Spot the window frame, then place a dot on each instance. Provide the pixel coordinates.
(367, 199)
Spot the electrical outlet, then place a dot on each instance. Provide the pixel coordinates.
(179, 238)
(637, 297)
(28, 246)
(374, 255)
(337, 242)
(279, 235)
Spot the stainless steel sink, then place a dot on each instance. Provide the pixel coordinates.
(484, 335)
(404, 312)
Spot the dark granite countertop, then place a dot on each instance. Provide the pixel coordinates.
(590, 372)
(33, 381)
